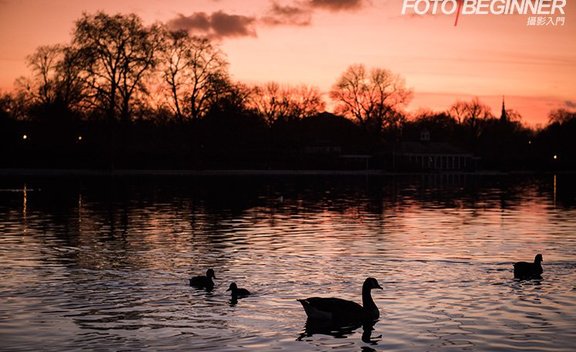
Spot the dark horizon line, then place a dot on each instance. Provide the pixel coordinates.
(96, 172)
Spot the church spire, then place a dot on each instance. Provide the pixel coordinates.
(503, 115)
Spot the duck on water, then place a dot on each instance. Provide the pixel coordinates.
(204, 281)
(237, 292)
(337, 309)
(525, 271)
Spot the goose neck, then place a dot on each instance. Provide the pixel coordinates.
(367, 301)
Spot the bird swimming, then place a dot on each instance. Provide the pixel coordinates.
(204, 281)
(524, 270)
(237, 292)
(337, 309)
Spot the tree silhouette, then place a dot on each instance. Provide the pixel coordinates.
(472, 115)
(42, 86)
(275, 102)
(115, 54)
(556, 141)
(441, 126)
(267, 100)
(233, 97)
(458, 110)
(56, 84)
(200, 117)
(561, 116)
(470, 112)
(372, 97)
(194, 71)
(303, 101)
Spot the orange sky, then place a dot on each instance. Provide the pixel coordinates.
(313, 41)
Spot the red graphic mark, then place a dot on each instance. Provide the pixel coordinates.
(458, 13)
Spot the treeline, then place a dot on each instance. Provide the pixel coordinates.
(124, 95)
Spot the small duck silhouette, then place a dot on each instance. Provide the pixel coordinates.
(338, 309)
(237, 292)
(204, 281)
(525, 271)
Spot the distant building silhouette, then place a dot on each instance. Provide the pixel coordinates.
(428, 155)
(435, 156)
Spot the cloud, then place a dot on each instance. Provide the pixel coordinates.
(299, 12)
(196, 21)
(216, 25)
(233, 25)
(219, 25)
(288, 15)
(336, 5)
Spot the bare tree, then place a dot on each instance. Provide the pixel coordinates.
(116, 53)
(513, 116)
(371, 97)
(561, 116)
(194, 72)
(55, 79)
(274, 102)
(470, 113)
(13, 105)
(304, 100)
(71, 84)
(44, 66)
(458, 110)
(267, 100)
(223, 94)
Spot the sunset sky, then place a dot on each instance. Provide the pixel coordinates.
(313, 41)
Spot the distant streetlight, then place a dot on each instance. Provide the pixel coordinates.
(555, 157)
(24, 136)
(79, 138)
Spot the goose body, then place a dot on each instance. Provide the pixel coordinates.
(237, 292)
(525, 270)
(204, 281)
(337, 309)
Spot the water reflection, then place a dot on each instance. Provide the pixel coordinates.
(338, 330)
(105, 263)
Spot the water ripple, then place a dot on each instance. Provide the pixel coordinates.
(106, 267)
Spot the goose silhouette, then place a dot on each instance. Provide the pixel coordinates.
(237, 292)
(524, 270)
(337, 309)
(204, 281)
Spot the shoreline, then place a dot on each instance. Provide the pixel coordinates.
(248, 172)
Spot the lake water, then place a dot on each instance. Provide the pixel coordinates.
(102, 264)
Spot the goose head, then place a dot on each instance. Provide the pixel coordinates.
(371, 283)
(538, 259)
(210, 273)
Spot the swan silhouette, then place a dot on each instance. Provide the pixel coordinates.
(524, 270)
(204, 281)
(337, 309)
